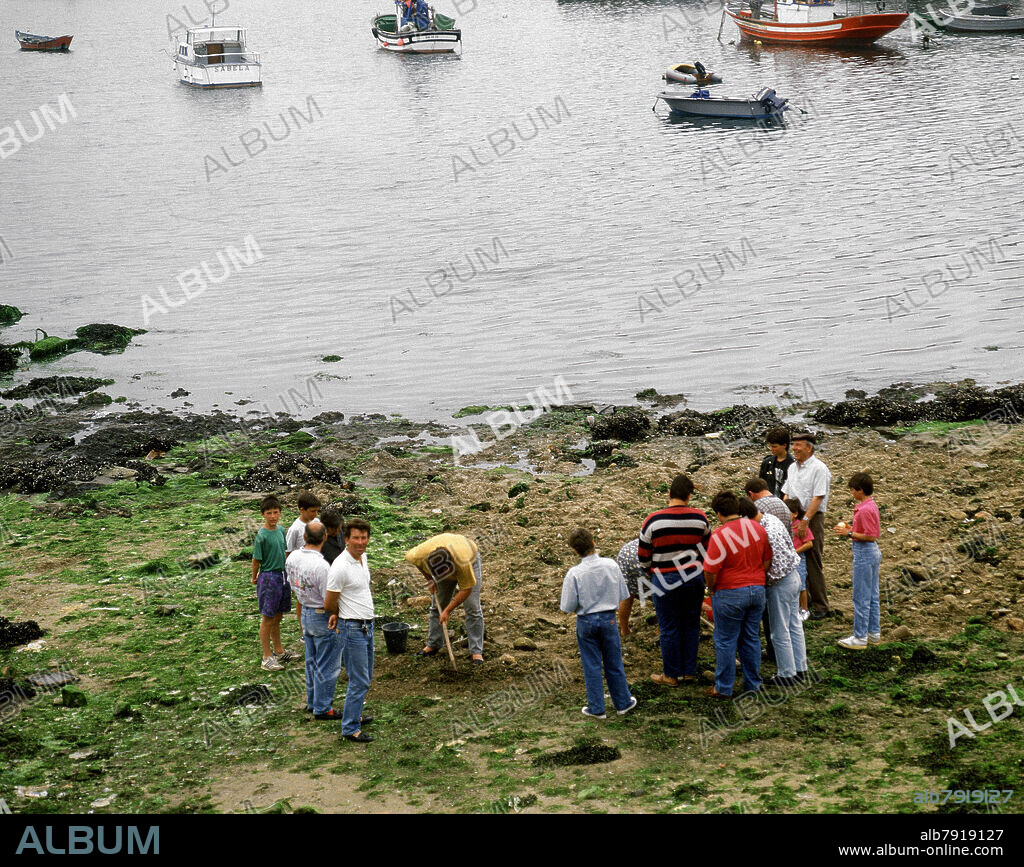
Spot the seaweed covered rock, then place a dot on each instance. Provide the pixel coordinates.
(9, 358)
(282, 468)
(48, 387)
(50, 347)
(13, 634)
(871, 412)
(46, 475)
(952, 403)
(105, 338)
(627, 424)
(737, 422)
(9, 314)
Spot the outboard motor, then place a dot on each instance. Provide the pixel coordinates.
(771, 103)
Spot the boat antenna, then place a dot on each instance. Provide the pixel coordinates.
(213, 20)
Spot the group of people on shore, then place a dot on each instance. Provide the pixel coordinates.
(322, 559)
(761, 563)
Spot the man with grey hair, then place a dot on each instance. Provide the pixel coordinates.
(809, 481)
(307, 573)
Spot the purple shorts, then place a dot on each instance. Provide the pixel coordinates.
(273, 593)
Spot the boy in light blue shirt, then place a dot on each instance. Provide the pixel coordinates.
(592, 590)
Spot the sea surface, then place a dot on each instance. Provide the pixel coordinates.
(467, 230)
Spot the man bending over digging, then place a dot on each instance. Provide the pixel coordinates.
(448, 561)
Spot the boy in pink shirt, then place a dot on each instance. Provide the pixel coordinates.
(867, 559)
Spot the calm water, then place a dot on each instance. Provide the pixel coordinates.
(581, 220)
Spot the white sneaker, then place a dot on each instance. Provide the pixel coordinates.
(625, 710)
(271, 664)
(285, 656)
(586, 712)
(853, 643)
(804, 613)
(874, 638)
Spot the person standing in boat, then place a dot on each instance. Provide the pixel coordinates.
(415, 13)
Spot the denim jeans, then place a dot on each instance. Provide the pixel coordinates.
(359, 663)
(678, 613)
(474, 611)
(598, 638)
(323, 660)
(801, 569)
(783, 603)
(867, 559)
(737, 623)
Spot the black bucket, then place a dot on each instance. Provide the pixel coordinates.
(396, 636)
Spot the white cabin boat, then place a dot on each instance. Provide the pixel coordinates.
(217, 56)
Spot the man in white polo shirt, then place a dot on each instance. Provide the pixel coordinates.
(350, 605)
(809, 481)
(307, 570)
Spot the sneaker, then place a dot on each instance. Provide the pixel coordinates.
(625, 710)
(874, 638)
(330, 715)
(286, 656)
(804, 613)
(586, 712)
(819, 615)
(271, 664)
(853, 643)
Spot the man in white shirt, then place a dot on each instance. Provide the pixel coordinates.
(349, 605)
(809, 481)
(307, 570)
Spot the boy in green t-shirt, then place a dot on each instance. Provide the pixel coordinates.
(272, 590)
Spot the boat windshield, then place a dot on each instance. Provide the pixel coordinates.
(216, 34)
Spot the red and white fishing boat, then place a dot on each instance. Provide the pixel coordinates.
(811, 21)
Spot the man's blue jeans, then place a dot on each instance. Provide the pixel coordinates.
(323, 660)
(783, 603)
(867, 559)
(678, 613)
(737, 623)
(359, 663)
(598, 639)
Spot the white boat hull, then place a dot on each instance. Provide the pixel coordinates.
(220, 75)
(420, 41)
(749, 109)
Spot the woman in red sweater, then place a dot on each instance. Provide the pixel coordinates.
(737, 557)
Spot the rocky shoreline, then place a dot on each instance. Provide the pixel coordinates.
(70, 433)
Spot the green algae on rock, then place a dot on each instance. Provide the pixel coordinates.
(55, 386)
(9, 315)
(50, 347)
(105, 338)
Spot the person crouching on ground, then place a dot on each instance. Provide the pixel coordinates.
(737, 558)
(592, 590)
(867, 560)
(272, 590)
(449, 561)
(307, 574)
(350, 605)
